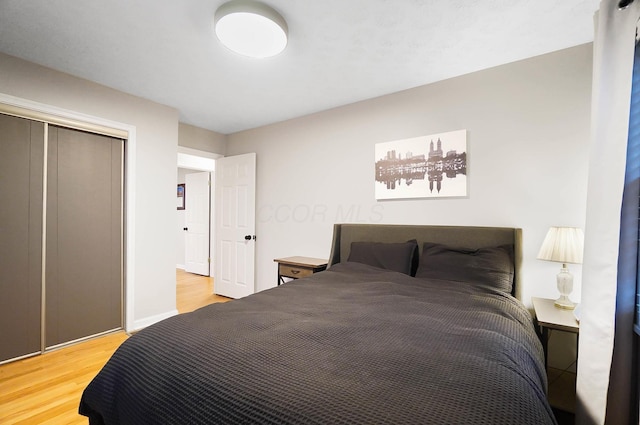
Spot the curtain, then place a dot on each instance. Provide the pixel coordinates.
(599, 386)
(621, 398)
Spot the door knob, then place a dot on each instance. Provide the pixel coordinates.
(247, 238)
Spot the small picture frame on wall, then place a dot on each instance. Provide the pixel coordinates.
(181, 196)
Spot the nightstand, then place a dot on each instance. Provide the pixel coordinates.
(297, 267)
(562, 383)
(550, 317)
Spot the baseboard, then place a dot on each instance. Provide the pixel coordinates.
(148, 321)
(180, 266)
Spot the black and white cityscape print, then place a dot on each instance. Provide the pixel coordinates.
(432, 166)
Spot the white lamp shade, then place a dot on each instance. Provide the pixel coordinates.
(251, 29)
(563, 245)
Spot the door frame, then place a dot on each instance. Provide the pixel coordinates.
(129, 185)
(194, 159)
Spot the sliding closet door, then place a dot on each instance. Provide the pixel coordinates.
(84, 235)
(21, 162)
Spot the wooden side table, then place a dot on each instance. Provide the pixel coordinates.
(297, 267)
(551, 317)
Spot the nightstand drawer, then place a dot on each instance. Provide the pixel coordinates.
(294, 271)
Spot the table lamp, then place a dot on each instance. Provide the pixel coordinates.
(563, 245)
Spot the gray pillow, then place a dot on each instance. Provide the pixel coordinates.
(400, 257)
(489, 266)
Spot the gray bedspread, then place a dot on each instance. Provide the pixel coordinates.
(351, 345)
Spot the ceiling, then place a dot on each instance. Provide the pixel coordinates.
(339, 52)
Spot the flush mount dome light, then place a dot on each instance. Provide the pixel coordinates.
(251, 28)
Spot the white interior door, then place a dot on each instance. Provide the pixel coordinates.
(197, 223)
(235, 203)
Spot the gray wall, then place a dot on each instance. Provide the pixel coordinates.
(201, 139)
(528, 129)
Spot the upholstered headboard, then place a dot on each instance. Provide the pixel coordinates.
(457, 236)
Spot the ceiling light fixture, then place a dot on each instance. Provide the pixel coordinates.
(250, 28)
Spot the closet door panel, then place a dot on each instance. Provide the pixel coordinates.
(84, 235)
(21, 172)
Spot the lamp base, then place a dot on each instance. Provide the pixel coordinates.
(564, 303)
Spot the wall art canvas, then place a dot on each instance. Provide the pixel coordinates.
(432, 166)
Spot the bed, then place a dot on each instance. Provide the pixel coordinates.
(408, 325)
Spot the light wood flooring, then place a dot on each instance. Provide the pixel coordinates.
(46, 389)
(194, 291)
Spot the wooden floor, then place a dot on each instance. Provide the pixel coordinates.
(194, 291)
(46, 389)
